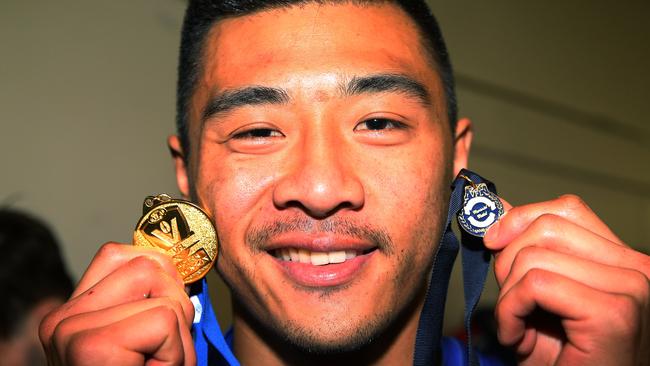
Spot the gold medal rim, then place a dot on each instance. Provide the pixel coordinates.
(145, 216)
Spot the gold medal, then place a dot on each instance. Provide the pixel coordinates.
(180, 229)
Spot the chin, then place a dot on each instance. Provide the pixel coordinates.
(320, 335)
(333, 337)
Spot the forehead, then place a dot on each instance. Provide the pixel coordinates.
(293, 46)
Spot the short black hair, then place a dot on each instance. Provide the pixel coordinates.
(201, 15)
(31, 268)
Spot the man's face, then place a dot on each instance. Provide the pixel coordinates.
(320, 146)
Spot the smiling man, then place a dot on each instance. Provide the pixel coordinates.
(322, 138)
(312, 129)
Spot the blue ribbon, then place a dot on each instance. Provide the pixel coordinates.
(475, 261)
(206, 331)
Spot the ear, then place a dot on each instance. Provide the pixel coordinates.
(462, 144)
(175, 148)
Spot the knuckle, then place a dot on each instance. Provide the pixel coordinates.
(62, 330)
(109, 250)
(154, 264)
(547, 225)
(527, 256)
(188, 309)
(501, 268)
(48, 326)
(45, 329)
(61, 334)
(640, 287)
(173, 304)
(524, 260)
(145, 266)
(641, 262)
(166, 315)
(625, 319)
(547, 219)
(534, 279)
(573, 202)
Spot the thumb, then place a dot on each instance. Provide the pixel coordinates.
(493, 231)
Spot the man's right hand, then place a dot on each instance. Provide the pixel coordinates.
(130, 308)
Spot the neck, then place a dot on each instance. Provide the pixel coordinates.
(255, 344)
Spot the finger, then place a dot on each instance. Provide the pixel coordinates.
(598, 276)
(569, 207)
(153, 335)
(70, 327)
(112, 255)
(139, 278)
(526, 295)
(558, 234)
(595, 323)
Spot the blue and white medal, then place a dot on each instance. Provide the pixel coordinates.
(481, 208)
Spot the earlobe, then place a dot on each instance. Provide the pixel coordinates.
(462, 144)
(175, 148)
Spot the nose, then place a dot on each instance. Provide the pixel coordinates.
(322, 180)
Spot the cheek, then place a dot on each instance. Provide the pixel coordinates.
(413, 197)
(410, 188)
(233, 196)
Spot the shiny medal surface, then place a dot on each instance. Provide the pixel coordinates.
(181, 230)
(481, 208)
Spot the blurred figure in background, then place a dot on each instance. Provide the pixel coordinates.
(33, 281)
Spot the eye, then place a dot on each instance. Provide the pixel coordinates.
(257, 133)
(378, 124)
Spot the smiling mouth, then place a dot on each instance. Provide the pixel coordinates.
(300, 255)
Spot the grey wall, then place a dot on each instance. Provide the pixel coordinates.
(557, 93)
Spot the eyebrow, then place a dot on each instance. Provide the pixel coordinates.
(258, 95)
(381, 83)
(251, 95)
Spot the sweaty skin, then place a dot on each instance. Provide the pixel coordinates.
(322, 129)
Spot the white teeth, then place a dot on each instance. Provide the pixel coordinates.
(293, 253)
(336, 257)
(319, 258)
(315, 258)
(304, 255)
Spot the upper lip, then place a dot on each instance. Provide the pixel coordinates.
(318, 242)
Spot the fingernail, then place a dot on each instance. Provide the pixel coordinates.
(492, 233)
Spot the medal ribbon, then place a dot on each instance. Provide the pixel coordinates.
(206, 331)
(475, 262)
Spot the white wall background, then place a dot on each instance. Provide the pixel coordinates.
(558, 93)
